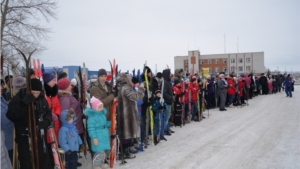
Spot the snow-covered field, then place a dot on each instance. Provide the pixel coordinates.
(265, 134)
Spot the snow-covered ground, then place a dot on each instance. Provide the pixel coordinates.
(265, 134)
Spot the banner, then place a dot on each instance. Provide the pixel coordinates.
(205, 72)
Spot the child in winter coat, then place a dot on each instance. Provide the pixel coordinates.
(68, 138)
(159, 108)
(98, 132)
(270, 86)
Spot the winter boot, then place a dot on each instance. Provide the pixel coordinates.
(231, 106)
(128, 155)
(103, 166)
(132, 150)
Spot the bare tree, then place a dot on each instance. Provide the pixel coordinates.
(22, 26)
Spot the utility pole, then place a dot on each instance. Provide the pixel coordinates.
(224, 43)
(237, 44)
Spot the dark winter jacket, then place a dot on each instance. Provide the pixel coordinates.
(127, 106)
(66, 140)
(106, 97)
(67, 101)
(263, 81)
(18, 113)
(98, 128)
(209, 86)
(168, 94)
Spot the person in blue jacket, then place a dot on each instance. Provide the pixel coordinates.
(68, 138)
(7, 126)
(98, 132)
(288, 86)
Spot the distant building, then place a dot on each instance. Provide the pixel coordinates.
(228, 62)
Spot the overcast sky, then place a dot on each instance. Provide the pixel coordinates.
(135, 31)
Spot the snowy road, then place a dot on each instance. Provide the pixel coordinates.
(265, 134)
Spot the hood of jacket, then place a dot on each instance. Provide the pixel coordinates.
(66, 114)
(122, 80)
(51, 91)
(92, 112)
(166, 75)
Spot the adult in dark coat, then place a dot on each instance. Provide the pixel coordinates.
(168, 97)
(264, 84)
(222, 86)
(18, 113)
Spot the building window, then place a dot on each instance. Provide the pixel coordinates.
(186, 62)
(225, 61)
(201, 62)
(208, 61)
(216, 69)
(224, 69)
(240, 60)
(248, 60)
(240, 68)
(232, 69)
(217, 61)
(209, 69)
(248, 68)
(232, 60)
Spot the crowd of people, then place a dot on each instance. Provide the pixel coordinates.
(148, 106)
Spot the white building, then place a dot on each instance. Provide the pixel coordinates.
(228, 62)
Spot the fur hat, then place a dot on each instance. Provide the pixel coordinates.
(63, 83)
(36, 84)
(73, 82)
(134, 80)
(19, 82)
(102, 72)
(47, 77)
(95, 103)
(62, 75)
(176, 81)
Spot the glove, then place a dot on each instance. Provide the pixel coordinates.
(115, 94)
(149, 104)
(29, 98)
(42, 124)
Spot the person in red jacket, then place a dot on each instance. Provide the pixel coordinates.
(241, 88)
(178, 102)
(230, 90)
(51, 91)
(187, 99)
(194, 98)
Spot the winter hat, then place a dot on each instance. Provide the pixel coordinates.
(176, 81)
(36, 84)
(221, 75)
(95, 103)
(157, 91)
(47, 77)
(102, 72)
(63, 83)
(108, 77)
(62, 75)
(19, 82)
(73, 82)
(159, 75)
(185, 79)
(231, 75)
(193, 79)
(7, 78)
(134, 80)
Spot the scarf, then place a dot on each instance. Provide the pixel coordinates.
(71, 127)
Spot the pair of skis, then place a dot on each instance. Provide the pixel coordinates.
(56, 152)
